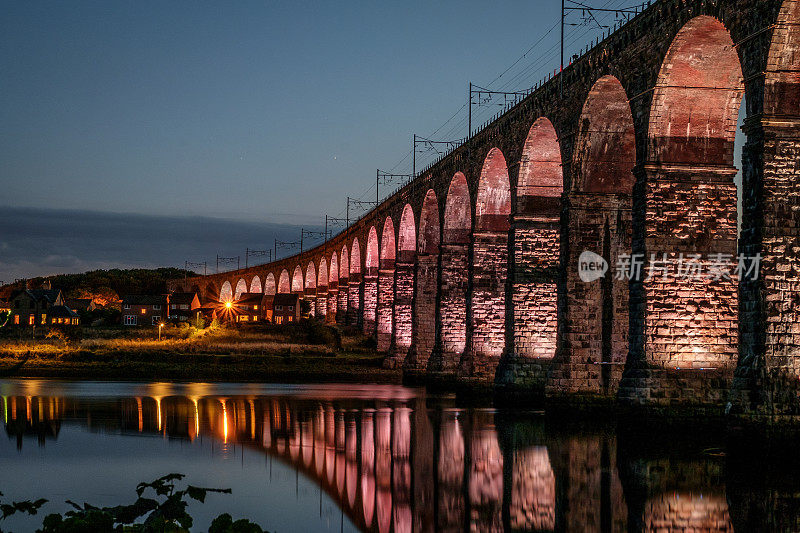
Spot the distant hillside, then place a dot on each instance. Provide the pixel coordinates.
(105, 286)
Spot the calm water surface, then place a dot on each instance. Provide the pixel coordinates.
(382, 458)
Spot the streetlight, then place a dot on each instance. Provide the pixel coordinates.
(228, 305)
(161, 325)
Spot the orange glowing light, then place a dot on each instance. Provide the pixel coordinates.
(228, 305)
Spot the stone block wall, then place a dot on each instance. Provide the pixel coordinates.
(384, 309)
(322, 302)
(370, 304)
(341, 303)
(424, 323)
(453, 309)
(403, 301)
(354, 302)
(333, 298)
(488, 316)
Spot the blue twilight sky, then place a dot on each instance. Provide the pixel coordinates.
(258, 112)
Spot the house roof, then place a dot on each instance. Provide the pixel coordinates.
(253, 298)
(182, 297)
(285, 299)
(62, 311)
(144, 299)
(51, 295)
(79, 304)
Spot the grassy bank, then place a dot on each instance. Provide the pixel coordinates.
(292, 353)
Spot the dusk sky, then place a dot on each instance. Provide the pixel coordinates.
(248, 111)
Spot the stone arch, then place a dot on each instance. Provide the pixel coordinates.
(423, 331)
(385, 315)
(344, 274)
(322, 277)
(540, 168)
(454, 266)
(457, 211)
(241, 287)
(690, 207)
(537, 248)
(429, 224)
(344, 263)
(333, 288)
(404, 286)
(697, 97)
(284, 284)
(255, 285)
(371, 282)
(311, 286)
(297, 279)
(489, 267)
(354, 289)
(605, 151)
(599, 221)
(407, 236)
(311, 276)
(269, 285)
(355, 258)
(226, 292)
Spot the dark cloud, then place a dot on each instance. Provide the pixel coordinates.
(36, 242)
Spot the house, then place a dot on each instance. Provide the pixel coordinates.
(62, 315)
(80, 305)
(144, 309)
(183, 306)
(5, 307)
(249, 307)
(285, 308)
(30, 307)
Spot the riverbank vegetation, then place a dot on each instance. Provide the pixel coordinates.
(292, 352)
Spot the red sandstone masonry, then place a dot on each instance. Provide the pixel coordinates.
(489, 274)
(403, 300)
(341, 304)
(384, 309)
(424, 329)
(453, 312)
(333, 296)
(353, 302)
(370, 304)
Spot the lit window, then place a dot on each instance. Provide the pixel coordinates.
(255, 308)
(44, 319)
(290, 318)
(16, 319)
(279, 308)
(75, 321)
(184, 306)
(143, 310)
(245, 318)
(31, 320)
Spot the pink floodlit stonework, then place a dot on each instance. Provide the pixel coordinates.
(626, 163)
(386, 286)
(241, 287)
(284, 286)
(226, 292)
(489, 267)
(255, 285)
(297, 279)
(311, 288)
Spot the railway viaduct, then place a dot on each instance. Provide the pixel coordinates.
(470, 272)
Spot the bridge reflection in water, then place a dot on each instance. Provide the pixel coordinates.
(394, 460)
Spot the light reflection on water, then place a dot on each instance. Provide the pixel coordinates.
(378, 458)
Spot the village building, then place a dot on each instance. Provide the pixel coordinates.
(144, 309)
(285, 308)
(62, 315)
(249, 307)
(30, 307)
(80, 305)
(183, 306)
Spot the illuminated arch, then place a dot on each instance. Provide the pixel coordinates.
(284, 284)
(371, 262)
(429, 224)
(334, 274)
(355, 259)
(540, 170)
(255, 285)
(344, 263)
(241, 287)
(269, 285)
(490, 266)
(297, 279)
(697, 97)
(322, 278)
(311, 276)
(457, 211)
(387, 249)
(407, 236)
(226, 292)
(605, 152)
